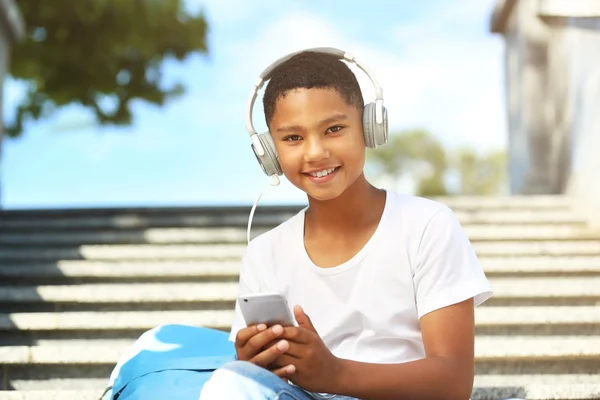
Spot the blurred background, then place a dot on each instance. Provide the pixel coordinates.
(143, 103)
(440, 68)
(124, 120)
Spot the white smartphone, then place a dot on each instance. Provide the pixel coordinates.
(267, 308)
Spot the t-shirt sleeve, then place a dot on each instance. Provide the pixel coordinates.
(447, 270)
(248, 283)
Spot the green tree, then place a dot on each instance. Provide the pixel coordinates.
(420, 156)
(480, 174)
(415, 153)
(98, 52)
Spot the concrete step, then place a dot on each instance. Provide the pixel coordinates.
(45, 394)
(537, 391)
(487, 348)
(122, 293)
(127, 252)
(238, 235)
(132, 222)
(529, 390)
(539, 265)
(525, 217)
(504, 288)
(564, 248)
(538, 248)
(482, 383)
(516, 318)
(492, 380)
(201, 269)
(541, 202)
(90, 321)
(141, 221)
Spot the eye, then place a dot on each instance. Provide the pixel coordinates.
(292, 138)
(335, 129)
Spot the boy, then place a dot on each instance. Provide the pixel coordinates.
(384, 285)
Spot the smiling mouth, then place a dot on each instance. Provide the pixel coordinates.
(323, 173)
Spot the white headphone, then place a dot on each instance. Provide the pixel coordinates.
(375, 126)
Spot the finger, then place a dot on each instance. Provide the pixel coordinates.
(303, 319)
(259, 342)
(295, 352)
(285, 372)
(246, 334)
(264, 358)
(295, 334)
(284, 359)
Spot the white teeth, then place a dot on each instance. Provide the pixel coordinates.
(320, 174)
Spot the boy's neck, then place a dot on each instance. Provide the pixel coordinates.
(360, 204)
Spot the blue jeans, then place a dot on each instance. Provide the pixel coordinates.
(245, 381)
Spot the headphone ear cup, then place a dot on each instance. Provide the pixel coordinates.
(269, 162)
(375, 134)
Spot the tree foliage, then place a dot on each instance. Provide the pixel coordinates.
(417, 154)
(99, 52)
(480, 174)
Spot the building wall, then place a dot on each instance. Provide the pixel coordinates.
(528, 85)
(552, 66)
(584, 98)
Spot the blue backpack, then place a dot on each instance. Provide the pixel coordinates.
(169, 362)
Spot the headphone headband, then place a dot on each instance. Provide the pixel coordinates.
(266, 75)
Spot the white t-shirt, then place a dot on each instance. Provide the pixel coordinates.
(368, 308)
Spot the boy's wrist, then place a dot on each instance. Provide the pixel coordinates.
(342, 376)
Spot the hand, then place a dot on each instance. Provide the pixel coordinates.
(250, 346)
(311, 365)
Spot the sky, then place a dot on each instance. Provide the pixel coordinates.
(439, 66)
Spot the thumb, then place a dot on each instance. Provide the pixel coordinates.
(303, 319)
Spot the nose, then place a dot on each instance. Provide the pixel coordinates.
(316, 149)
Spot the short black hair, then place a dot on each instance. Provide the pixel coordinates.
(310, 70)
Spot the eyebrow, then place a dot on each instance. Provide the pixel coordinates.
(329, 120)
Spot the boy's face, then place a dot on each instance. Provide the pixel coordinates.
(319, 140)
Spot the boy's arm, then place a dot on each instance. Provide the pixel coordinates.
(446, 373)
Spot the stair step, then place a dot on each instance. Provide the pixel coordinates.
(520, 217)
(120, 293)
(126, 222)
(148, 236)
(541, 202)
(538, 248)
(492, 380)
(222, 319)
(128, 252)
(539, 265)
(202, 270)
(45, 394)
(530, 391)
(113, 320)
(487, 348)
(533, 391)
(238, 235)
(235, 251)
(118, 269)
(523, 287)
